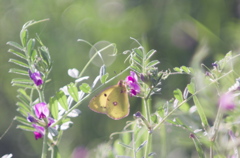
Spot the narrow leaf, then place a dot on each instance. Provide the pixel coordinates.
(62, 99)
(19, 71)
(24, 36)
(152, 63)
(22, 112)
(54, 107)
(17, 53)
(25, 102)
(23, 85)
(135, 68)
(138, 52)
(177, 69)
(150, 54)
(201, 113)
(178, 95)
(191, 88)
(30, 46)
(22, 80)
(23, 93)
(18, 63)
(22, 120)
(16, 45)
(73, 91)
(185, 69)
(26, 128)
(23, 105)
(137, 60)
(85, 88)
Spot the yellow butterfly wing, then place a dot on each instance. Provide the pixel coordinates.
(113, 102)
(118, 103)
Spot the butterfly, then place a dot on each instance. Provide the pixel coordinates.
(113, 102)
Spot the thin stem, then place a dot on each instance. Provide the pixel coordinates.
(45, 145)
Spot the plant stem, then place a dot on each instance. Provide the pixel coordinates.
(45, 145)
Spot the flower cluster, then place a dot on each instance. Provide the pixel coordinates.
(42, 119)
(132, 82)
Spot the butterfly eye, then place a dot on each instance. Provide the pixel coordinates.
(105, 95)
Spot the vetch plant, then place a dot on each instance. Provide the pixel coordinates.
(207, 110)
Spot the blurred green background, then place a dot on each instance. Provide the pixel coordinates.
(175, 28)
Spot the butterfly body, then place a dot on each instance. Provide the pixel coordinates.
(113, 102)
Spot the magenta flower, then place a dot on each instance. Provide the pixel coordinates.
(226, 101)
(132, 82)
(39, 133)
(41, 110)
(36, 77)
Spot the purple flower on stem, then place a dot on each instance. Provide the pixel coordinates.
(41, 110)
(39, 131)
(132, 82)
(36, 77)
(226, 101)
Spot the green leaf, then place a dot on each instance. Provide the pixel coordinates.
(185, 69)
(45, 55)
(25, 103)
(152, 63)
(22, 111)
(201, 113)
(22, 120)
(33, 55)
(178, 95)
(85, 88)
(23, 93)
(16, 45)
(23, 85)
(138, 52)
(150, 54)
(104, 78)
(135, 68)
(19, 63)
(30, 46)
(177, 69)
(191, 88)
(19, 71)
(62, 99)
(26, 128)
(24, 36)
(17, 54)
(54, 107)
(23, 106)
(73, 91)
(22, 80)
(137, 60)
